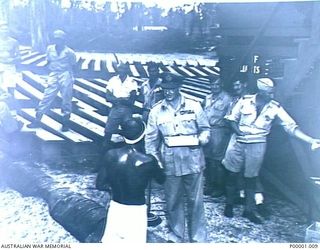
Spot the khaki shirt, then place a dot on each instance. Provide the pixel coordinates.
(60, 62)
(257, 126)
(217, 108)
(151, 95)
(188, 119)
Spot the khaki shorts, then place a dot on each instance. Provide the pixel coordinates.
(244, 155)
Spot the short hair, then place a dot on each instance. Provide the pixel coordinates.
(215, 80)
(152, 66)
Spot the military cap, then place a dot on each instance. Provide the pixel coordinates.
(170, 81)
(59, 34)
(265, 84)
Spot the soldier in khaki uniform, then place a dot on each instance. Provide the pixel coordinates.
(176, 131)
(216, 106)
(151, 90)
(251, 120)
(61, 60)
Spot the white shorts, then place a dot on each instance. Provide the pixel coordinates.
(126, 224)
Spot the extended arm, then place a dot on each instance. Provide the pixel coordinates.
(315, 143)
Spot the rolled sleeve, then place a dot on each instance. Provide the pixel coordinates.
(72, 57)
(152, 138)
(203, 123)
(202, 119)
(234, 114)
(286, 121)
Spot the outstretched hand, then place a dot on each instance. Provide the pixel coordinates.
(315, 144)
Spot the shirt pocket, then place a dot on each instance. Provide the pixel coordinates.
(188, 123)
(166, 126)
(248, 110)
(264, 120)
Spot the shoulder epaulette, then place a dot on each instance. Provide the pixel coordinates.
(157, 103)
(275, 103)
(190, 99)
(247, 96)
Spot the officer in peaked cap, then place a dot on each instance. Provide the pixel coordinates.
(170, 81)
(176, 130)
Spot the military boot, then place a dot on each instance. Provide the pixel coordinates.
(37, 122)
(231, 189)
(250, 203)
(65, 123)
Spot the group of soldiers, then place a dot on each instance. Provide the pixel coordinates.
(220, 142)
(182, 143)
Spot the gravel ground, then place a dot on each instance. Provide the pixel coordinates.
(26, 219)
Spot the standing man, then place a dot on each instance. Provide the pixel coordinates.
(127, 171)
(240, 89)
(151, 90)
(251, 119)
(60, 60)
(121, 91)
(9, 58)
(216, 106)
(176, 131)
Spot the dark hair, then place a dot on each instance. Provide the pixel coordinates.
(152, 66)
(214, 78)
(132, 128)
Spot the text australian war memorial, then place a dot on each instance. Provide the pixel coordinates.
(156, 122)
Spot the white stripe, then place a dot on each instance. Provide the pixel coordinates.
(105, 82)
(192, 97)
(30, 89)
(85, 64)
(172, 70)
(109, 59)
(145, 67)
(42, 63)
(41, 133)
(20, 96)
(72, 135)
(197, 90)
(96, 65)
(90, 84)
(30, 54)
(134, 70)
(33, 59)
(95, 128)
(186, 71)
(210, 71)
(89, 110)
(198, 71)
(92, 96)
